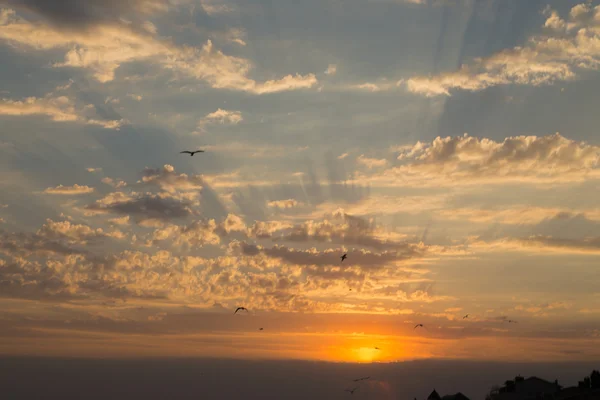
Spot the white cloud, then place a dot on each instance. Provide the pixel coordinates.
(70, 190)
(574, 45)
(331, 69)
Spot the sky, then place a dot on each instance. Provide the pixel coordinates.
(450, 148)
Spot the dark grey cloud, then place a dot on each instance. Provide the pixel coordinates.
(363, 259)
(81, 13)
(146, 207)
(27, 244)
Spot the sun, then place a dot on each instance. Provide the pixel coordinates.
(366, 354)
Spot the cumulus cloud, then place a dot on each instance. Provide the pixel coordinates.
(283, 204)
(70, 190)
(168, 180)
(57, 108)
(220, 117)
(72, 233)
(470, 160)
(102, 48)
(572, 45)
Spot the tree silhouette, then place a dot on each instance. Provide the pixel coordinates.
(595, 379)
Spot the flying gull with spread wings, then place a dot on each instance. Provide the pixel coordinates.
(191, 153)
(344, 256)
(352, 390)
(240, 309)
(418, 325)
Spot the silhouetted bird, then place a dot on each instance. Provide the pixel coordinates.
(260, 329)
(344, 256)
(466, 316)
(352, 390)
(418, 325)
(240, 309)
(361, 379)
(377, 348)
(510, 321)
(191, 153)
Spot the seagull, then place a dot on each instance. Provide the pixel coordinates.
(191, 153)
(510, 321)
(418, 325)
(361, 379)
(377, 348)
(240, 308)
(466, 316)
(352, 390)
(344, 256)
(260, 329)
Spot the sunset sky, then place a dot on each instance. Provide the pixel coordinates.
(450, 147)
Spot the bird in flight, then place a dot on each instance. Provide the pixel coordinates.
(510, 321)
(344, 256)
(466, 316)
(352, 390)
(191, 153)
(240, 309)
(377, 348)
(418, 325)
(361, 379)
(260, 329)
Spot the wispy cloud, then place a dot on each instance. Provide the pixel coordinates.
(58, 108)
(70, 190)
(106, 47)
(570, 46)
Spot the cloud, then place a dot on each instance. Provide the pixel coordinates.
(143, 206)
(92, 170)
(71, 233)
(236, 35)
(572, 45)
(470, 160)
(77, 14)
(70, 190)
(539, 244)
(371, 162)
(136, 97)
(529, 215)
(59, 109)
(102, 48)
(283, 204)
(216, 7)
(168, 180)
(331, 69)
(220, 117)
